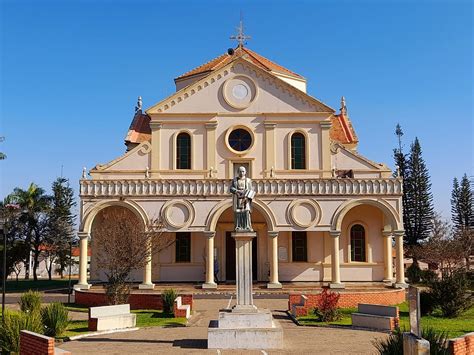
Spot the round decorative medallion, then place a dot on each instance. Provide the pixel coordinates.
(304, 213)
(178, 213)
(239, 139)
(239, 91)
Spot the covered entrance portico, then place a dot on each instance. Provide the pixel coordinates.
(221, 246)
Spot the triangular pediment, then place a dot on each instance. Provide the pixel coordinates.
(211, 94)
(346, 159)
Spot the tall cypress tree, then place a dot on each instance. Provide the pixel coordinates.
(418, 214)
(461, 204)
(462, 215)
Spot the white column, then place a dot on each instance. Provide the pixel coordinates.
(274, 262)
(210, 284)
(243, 275)
(400, 282)
(335, 263)
(387, 239)
(83, 240)
(147, 284)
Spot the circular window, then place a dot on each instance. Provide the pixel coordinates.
(240, 140)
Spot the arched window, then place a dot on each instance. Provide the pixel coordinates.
(183, 151)
(298, 151)
(357, 243)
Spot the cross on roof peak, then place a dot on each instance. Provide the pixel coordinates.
(240, 37)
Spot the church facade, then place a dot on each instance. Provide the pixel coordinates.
(322, 212)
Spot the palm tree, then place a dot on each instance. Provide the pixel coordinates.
(34, 203)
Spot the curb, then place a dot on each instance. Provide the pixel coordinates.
(77, 337)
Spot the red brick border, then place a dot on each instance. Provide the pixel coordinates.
(463, 345)
(347, 299)
(36, 344)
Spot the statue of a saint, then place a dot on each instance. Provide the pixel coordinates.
(242, 200)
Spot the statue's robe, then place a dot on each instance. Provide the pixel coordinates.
(242, 206)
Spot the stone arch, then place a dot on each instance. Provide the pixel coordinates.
(215, 213)
(391, 216)
(91, 213)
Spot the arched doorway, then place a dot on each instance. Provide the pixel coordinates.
(106, 247)
(225, 247)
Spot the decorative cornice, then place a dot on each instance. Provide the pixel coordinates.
(211, 125)
(155, 125)
(325, 124)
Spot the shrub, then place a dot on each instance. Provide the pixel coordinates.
(169, 295)
(438, 341)
(10, 329)
(327, 310)
(30, 302)
(117, 290)
(428, 276)
(427, 303)
(414, 273)
(393, 345)
(451, 293)
(55, 319)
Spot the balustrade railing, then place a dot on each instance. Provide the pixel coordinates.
(220, 187)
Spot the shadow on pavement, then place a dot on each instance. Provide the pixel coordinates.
(113, 340)
(191, 343)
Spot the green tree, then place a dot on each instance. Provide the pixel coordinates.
(462, 215)
(61, 222)
(419, 204)
(34, 205)
(16, 250)
(417, 200)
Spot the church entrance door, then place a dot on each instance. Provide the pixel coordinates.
(230, 257)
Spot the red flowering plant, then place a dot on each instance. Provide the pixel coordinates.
(327, 309)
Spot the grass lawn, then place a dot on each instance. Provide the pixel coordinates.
(145, 318)
(25, 285)
(452, 326)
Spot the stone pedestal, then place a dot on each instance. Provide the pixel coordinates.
(244, 326)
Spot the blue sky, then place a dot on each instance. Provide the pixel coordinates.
(71, 72)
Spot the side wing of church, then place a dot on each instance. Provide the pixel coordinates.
(322, 212)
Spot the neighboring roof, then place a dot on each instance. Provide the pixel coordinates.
(139, 130)
(245, 53)
(342, 130)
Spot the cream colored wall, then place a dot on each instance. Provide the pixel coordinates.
(311, 270)
(299, 84)
(270, 98)
(372, 219)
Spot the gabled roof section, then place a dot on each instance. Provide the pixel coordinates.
(239, 52)
(215, 75)
(379, 166)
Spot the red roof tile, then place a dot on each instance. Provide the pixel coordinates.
(242, 52)
(342, 130)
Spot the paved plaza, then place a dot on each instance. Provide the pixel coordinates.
(193, 338)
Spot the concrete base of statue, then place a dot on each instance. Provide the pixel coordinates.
(244, 326)
(245, 330)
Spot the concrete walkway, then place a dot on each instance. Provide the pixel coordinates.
(193, 338)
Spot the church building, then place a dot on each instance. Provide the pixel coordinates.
(322, 211)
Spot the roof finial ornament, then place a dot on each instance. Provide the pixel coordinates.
(241, 37)
(343, 106)
(139, 104)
